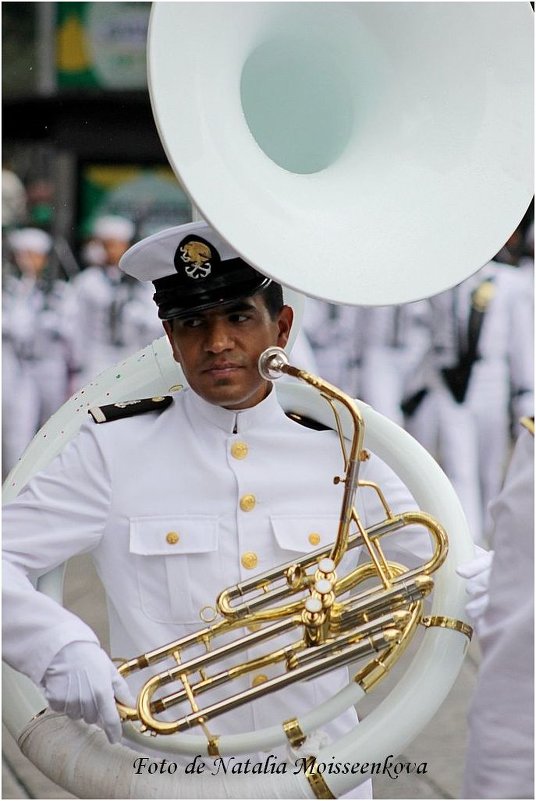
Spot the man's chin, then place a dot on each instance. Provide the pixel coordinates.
(226, 394)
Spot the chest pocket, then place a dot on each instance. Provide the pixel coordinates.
(296, 535)
(303, 534)
(177, 565)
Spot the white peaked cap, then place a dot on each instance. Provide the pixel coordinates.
(113, 227)
(32, 239)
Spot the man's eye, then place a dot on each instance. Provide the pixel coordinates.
(192, 322)
(238, 317)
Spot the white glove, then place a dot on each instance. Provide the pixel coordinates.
(81, 682)
(477, 572)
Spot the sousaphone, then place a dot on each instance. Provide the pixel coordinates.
(367, 153)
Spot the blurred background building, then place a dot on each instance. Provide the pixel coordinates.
(78, 129)
(80, 151)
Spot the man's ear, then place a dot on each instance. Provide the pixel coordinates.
(168, 328)
(284, 323)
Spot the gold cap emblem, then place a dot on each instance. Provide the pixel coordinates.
(196, 256)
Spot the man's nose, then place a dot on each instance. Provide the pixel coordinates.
(219, 337)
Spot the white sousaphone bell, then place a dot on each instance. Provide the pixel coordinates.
(367, 153)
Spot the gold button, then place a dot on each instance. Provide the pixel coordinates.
(260, 679)
(247, 503)
(239, 450)
(254, 627)
(249, 560)
(314, 538)
(172, 537)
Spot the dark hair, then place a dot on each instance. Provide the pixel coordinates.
(273, 298)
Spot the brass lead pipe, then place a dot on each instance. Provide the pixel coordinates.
(277, 362)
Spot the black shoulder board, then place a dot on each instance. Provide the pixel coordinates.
(308, 422)
(128, 408)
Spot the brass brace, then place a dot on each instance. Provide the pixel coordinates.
(294, 733)
(212, 740)
(316, 780)
(447, 623)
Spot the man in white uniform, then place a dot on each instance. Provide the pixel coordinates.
(500, 753)
(479, 366)
(202, 491)
(116, 311)
(334, 332)
(394, 340)
(40, 353)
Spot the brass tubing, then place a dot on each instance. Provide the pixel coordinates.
(356, 540)
(403, 592)
(252, 606)
(248, 641)
(208, 683)
(375, 671)
(374, 643)
(379, 564)
(397, 620)
(237, 591)
(352, 462)
(159, 654)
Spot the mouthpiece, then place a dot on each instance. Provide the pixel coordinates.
(271, 362)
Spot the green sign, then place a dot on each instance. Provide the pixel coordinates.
(149, 196)
(102, 45)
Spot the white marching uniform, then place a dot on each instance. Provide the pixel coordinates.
(40, 356)
(394, 339)
(116, 318)
(334, 333)
(471, 439)
(173, 506)
(500, 753)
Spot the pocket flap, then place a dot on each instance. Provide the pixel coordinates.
(173, 535)
(304, 533)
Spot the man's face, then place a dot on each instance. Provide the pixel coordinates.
(30, 263)
(218, 350)
(114, 249)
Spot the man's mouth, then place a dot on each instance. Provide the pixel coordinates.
(222, 368)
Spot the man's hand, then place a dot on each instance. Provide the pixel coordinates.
(81, 681)
(477, 572)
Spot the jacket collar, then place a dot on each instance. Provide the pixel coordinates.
(235, 422)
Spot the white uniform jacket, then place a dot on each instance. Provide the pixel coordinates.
(500, 752)
(116, 317)
(175, 506)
